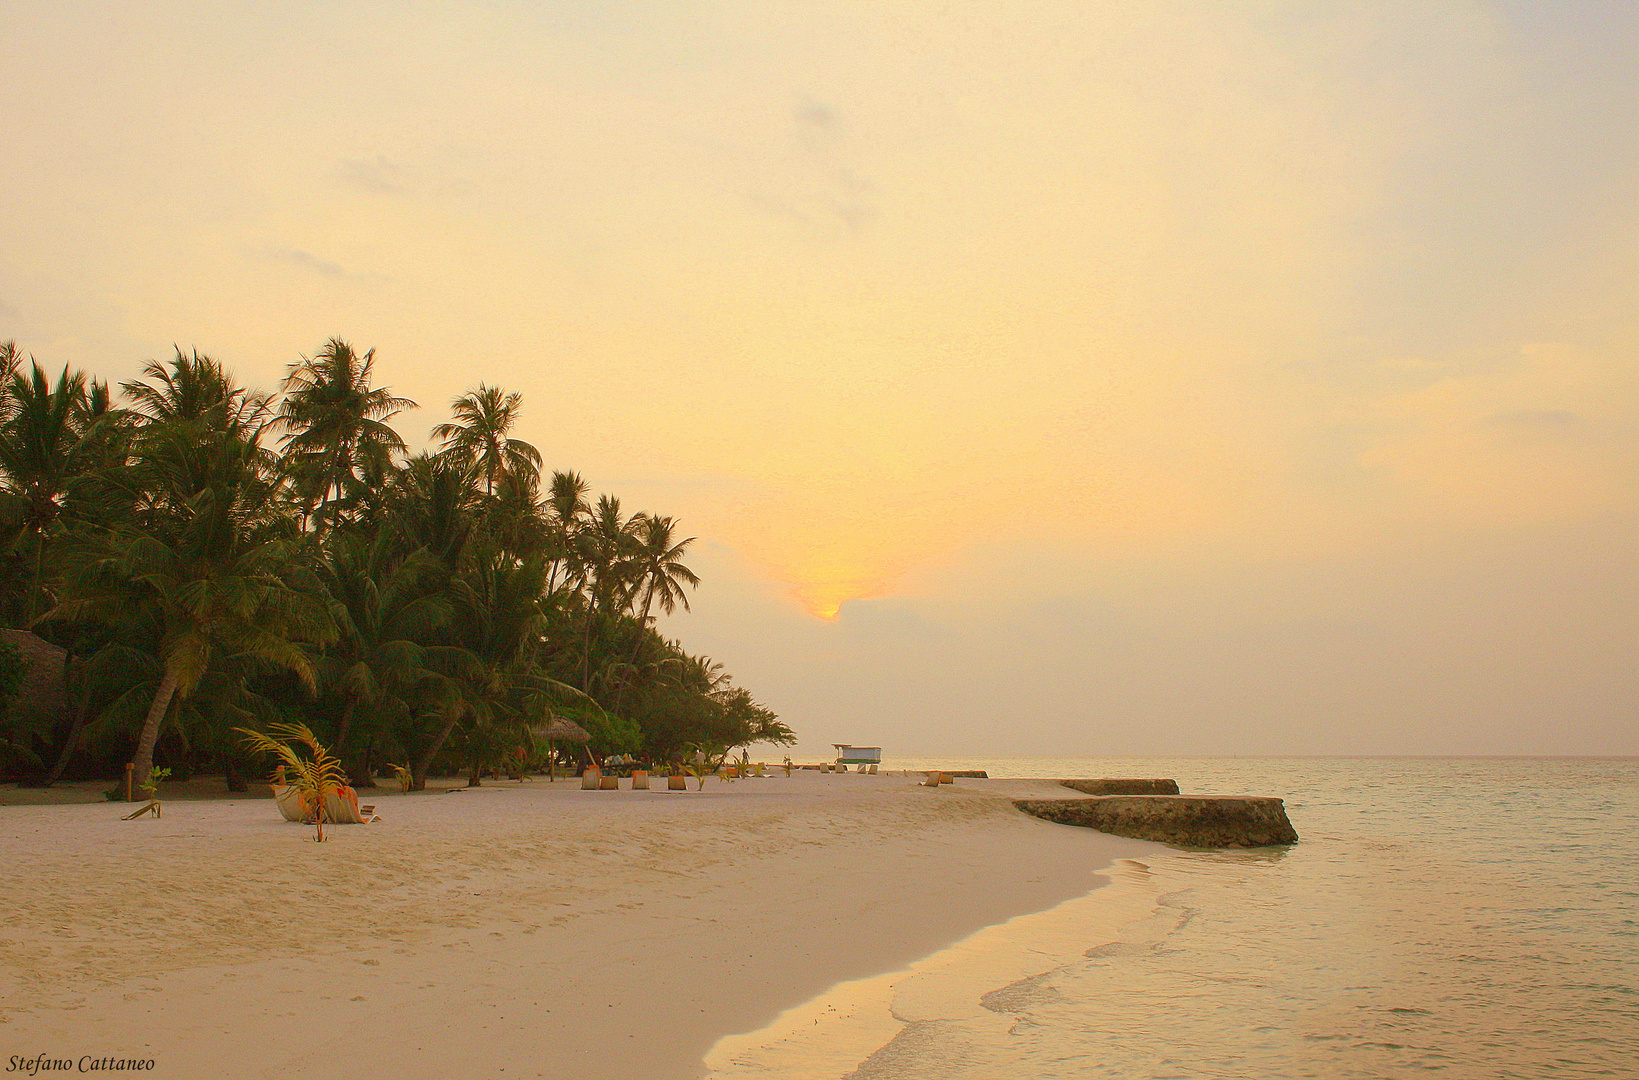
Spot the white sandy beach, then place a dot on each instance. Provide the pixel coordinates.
(510, 930)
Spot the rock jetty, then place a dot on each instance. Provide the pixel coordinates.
(1122, 787)
(1191, 821)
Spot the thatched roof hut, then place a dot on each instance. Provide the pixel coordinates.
(44, 692)
(558, 729)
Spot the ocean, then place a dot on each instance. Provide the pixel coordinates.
(1450, 917)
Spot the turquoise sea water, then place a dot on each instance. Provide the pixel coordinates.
(1446, 917)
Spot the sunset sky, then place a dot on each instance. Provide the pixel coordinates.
(1038, 377)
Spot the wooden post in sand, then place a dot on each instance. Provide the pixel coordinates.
(130, 767)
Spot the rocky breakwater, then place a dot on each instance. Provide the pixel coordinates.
(1123, 787)
(1192, 821)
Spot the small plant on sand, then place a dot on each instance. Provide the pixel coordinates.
(404, 776)
(704, 761)
(156, 777)
(787, 766)
(317, 776)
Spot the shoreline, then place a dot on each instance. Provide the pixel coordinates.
(894, 1023)
(511, 929)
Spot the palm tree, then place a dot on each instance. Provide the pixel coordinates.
(433, 505)
(195, 389)
(212, 588)
(516, 522)
(657, 559)
(660, 576)
(40, 465)
(568, 514)
(388, 611)
(478, 437)
(335, 420)
(609, 548)
(435, 603)
(195, 429)
(604, 556)
(500, 626)
(209, 558)
(10, 361)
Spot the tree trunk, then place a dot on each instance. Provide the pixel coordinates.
(39, 568)
(356, 776)
(366, 777)
(143, 763)
(586, 643)
(418, 772)
(74, 728)
(230, 774)
(349, 705)
(637, 645)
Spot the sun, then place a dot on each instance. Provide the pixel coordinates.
(824, 599)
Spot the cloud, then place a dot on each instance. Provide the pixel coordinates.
(818, 182)
(1536, 419)
(378, 174)
(306, 260)
(809, 111)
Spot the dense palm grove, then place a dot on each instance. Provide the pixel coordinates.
(213, 557)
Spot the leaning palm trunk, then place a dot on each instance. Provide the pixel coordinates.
(70, 744)
(345, 724)
(143, 762)
(418, 773)
(344, 727)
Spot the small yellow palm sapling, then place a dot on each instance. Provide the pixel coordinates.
(316, 776)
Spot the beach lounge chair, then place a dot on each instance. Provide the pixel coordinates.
(289, 801)
(341, 807)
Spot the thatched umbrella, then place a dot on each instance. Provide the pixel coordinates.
(557, 727)
(44, 690)
(42, 696)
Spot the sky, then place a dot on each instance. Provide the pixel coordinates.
(1037, 378)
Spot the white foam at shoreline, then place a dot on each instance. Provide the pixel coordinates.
(829, 1036)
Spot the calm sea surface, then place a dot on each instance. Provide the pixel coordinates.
(1450, 917)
